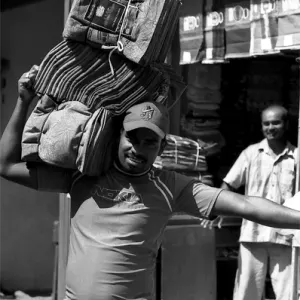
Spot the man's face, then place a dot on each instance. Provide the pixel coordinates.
(138, 149)
(273, 125)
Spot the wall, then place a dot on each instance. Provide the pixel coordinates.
(27, 253)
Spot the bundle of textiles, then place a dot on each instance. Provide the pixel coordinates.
(73, 123)
(139, 30)
(182, 153)
(73, 71)
(70, 135)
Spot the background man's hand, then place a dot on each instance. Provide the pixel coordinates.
(25, 85)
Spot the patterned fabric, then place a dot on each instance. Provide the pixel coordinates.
(204, 76)
(139, 30)
(72, 71)
(191, 31)
(264, 27)
(214, 32)
(265, 177)
(237, 26)
(288, 25)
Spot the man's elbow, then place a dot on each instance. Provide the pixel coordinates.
(226, 186)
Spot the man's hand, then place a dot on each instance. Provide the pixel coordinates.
(211, 224)
(25, 84)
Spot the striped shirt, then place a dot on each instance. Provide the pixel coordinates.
(117, 228)
(267, 177)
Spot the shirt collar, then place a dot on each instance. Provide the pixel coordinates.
(264, 146)
(129, 174)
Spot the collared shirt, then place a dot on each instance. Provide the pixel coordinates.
(267, 177)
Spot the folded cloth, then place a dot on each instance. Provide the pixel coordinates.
(264, 27)
(70, 135)
(205, 76)
(214, 33)
(79, 97)
(211, 136)
(191, 31)
(76, 72)
(288, 25)
(182, 153)
(237, 26)
(203, 114)
(140, 30)
(197, 107)
(204, 95)
(200, 124)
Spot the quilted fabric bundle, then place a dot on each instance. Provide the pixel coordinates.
(140, 30)
(70, 135)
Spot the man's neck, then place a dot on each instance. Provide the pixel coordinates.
(277, 146)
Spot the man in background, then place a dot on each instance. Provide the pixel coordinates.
(266, 169)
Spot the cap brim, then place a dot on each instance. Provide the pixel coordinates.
(128, 126)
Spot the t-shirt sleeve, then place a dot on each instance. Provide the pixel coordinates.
(236, 176)
(194, 197)
(54, 179)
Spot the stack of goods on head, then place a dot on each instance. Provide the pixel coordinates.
(186, 156)
(141, 31)
(110, 59)
(203, 99)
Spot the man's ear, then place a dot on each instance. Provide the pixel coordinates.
(163, 144)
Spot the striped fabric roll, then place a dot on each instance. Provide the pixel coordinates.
(73, 71)
(141, 31)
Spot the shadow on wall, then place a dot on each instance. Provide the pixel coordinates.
(28, 32)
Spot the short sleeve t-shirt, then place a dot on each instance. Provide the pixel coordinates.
(117, 227)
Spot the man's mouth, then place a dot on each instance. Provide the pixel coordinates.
(136, 160)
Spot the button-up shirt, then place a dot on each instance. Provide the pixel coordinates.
(265, 176)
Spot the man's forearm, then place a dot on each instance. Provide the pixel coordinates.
(272, 214)
(256, 209)
(10, 143)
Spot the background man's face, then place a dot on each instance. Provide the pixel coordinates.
(273, 125)
(138, 149)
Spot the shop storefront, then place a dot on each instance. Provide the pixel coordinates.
(237, 58)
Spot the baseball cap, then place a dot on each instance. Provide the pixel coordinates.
(151, 115)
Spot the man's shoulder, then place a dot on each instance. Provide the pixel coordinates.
(253, 149)
(292, 148)
(170, 177)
